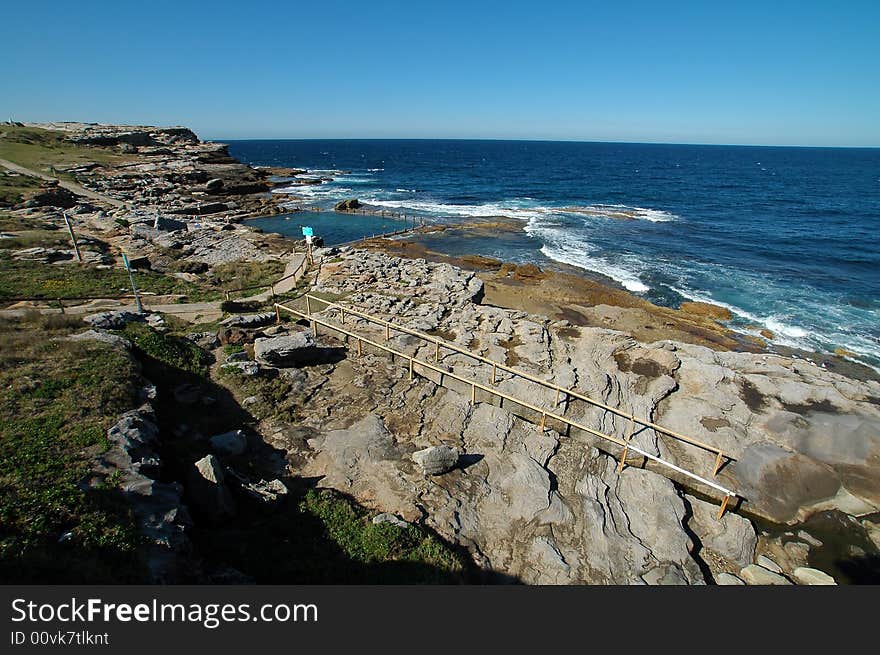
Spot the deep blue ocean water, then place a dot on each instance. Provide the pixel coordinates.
(786, 238)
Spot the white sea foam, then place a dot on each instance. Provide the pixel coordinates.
(523, 208)
(581, 259)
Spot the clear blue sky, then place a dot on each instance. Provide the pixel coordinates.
(769, 72)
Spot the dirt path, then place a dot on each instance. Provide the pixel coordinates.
(73, 187)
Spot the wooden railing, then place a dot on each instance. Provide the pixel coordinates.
(625, 444)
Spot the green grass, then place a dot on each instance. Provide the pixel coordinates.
(57, 399)
(170, 350)
(31, 238)
(14, 187)
(246, 274)
(42, 150)
(349, 526)
(25, 279)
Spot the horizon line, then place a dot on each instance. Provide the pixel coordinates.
(531, 140)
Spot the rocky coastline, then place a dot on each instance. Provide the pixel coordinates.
(534, 506)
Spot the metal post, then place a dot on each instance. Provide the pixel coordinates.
(72, 237)
(137, 298)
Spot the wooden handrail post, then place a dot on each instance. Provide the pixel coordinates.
(717, 464)
(473, 394)
(556, 402)
(360, 348)
(436, 351)
(723, 507)
(622, 462)
(315, 328)
(343, 317)
(387, 333)
(308, 305)
(410, 368)
(543, 422)
(494, 368)
(277, 314)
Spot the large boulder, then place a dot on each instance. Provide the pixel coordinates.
(248, 320)
(347, 205)
(733, 536)
(807, 576)
(758, 575)
(113, 320)
(436, 460)
(297, 349)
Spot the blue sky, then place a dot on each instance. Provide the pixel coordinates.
(788, 73)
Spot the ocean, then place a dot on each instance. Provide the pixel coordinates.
(786, 238)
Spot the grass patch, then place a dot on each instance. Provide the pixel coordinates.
(57, 399)
(170, 350)
(44, 150)
(31, 238)
(246, 274)
(349, 526)
(17, 222)
(15, 187)
(24, 279)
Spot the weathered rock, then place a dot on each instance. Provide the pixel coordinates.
(214, 184)
(115, 320)
(347, 205)
(758, 575)
(234, 337)
(248, 320)
(297, 349)
(768, 564)
(436, 460)
(387, 517)
(733, 536)
(707, 309)
(728, 579)
(807, 576)
(207, 489)
(229, 443)
(104, 337)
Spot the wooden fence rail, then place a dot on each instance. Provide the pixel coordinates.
(474, 385)
(564, 392)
